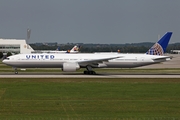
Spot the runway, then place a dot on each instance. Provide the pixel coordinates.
(89, 76)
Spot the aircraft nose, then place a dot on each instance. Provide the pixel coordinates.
(4, 61)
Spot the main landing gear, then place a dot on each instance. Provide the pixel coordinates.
(89, 71)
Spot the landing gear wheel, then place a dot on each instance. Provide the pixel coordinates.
(85, 72)
(15, 71)
(89, 72)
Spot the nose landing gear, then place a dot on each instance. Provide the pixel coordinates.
(15, 71)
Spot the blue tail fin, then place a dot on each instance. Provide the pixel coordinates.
(159, 48)
(58, 49)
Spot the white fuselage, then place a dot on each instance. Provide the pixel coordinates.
(57, 60)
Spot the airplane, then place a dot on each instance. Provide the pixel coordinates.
(73, 62)
(75, 49)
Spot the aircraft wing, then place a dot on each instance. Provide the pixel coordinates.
(96, 61)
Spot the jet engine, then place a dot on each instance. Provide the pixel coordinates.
(70, 67)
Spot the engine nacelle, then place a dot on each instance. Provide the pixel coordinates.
(70, 67)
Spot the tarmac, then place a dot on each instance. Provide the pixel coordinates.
(89, 76)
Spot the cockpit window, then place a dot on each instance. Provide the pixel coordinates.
(6, 58)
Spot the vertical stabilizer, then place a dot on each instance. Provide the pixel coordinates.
(159, 48)
(75, 49)
(58, 49)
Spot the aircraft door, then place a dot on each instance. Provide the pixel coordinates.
(142, 59)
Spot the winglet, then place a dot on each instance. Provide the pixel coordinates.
(159, 48)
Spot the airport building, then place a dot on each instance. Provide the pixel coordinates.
(14, 46)
(175, 51)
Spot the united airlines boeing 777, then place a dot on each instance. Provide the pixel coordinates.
(72, 62)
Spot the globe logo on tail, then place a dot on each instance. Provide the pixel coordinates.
(156, 49)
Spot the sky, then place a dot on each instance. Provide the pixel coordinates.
(90, 21)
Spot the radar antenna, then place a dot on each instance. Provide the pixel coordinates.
(28, 37)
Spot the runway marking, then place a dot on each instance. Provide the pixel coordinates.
(64, 108)
(72, 108)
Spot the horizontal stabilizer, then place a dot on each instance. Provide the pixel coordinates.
(163, 58)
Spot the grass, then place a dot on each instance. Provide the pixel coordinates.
(93, 99)
(90, 99)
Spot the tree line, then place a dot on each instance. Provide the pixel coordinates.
(123, 48)
(90, 48)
